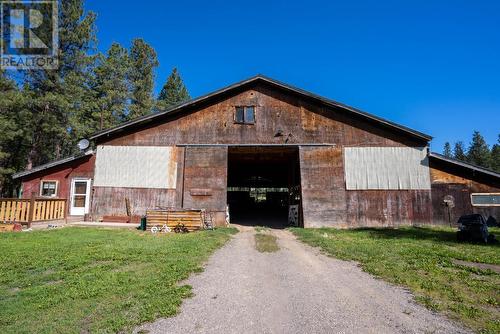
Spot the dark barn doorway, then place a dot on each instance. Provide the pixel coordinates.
(263, 182)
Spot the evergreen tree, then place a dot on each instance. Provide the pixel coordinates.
(173, 92)
(62, 99)
(143, 62)
(15, 118)
(447, 150)
(111, 88)
(479, 152)
(459, 151)
(495, 156)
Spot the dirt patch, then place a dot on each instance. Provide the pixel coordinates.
(482, 266)
(54, 282)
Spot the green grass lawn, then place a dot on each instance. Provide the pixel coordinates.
(79, 280)
(421, 259)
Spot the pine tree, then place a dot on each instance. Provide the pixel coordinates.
(459, 151)
(495, 156)
(447, 150)
(479, 152)
(61, 98)
(111, 87)
(143, 62)
(173, 92)
(15, 122)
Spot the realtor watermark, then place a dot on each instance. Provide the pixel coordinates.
(29, 35)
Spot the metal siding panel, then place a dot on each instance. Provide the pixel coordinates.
(136, 167)
(385, 168)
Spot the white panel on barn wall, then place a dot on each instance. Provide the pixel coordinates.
(397, 168)
(135, 167)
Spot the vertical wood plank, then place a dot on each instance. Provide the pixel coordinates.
(2, 211)
(52, 209)
(43, 207)
(7, 210)
(31, 211)
(17, 215)
(49, 210)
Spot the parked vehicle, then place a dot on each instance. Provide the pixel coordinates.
(474, 228)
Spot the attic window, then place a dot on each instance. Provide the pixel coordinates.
(245, 115)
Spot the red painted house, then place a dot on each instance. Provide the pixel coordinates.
(69, 178)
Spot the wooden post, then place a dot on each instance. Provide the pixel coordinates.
(32, 209)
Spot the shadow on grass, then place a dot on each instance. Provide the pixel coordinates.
(419, 233)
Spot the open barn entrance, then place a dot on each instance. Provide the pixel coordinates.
(263, 184)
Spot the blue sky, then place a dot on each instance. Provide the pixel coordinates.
(431, 65)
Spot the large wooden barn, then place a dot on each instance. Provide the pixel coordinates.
(259, 147)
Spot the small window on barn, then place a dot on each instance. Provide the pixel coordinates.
(485, 199)
(48, 189)
(245, 115)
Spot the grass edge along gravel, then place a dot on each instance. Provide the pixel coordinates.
(420, 259)
(85, 280)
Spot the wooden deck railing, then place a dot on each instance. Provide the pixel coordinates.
(31, 210)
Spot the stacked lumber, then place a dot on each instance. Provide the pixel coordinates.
(191, 219)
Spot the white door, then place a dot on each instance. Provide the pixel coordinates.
(80, 197)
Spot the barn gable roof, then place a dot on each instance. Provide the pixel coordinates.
(147, 119)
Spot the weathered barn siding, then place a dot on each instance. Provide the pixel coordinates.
(372, 208)
(281, 118)
(323, 189)
(205, 180)
(108, 201)
(458, 184)
(296, 119)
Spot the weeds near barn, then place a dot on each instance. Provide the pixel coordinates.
(82, 280)
(421, 259)
(259, 229)
(266, 243)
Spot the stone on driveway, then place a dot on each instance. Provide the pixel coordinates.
(295, 290)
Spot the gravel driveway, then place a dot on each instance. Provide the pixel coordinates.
(295, 290)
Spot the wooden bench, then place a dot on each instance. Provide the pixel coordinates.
(191, 219)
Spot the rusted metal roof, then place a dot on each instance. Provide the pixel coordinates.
(259, 78)
(51, 164)
(440, 157)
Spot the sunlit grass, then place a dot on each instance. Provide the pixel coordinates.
(79, 280)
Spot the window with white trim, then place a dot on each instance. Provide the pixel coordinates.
(48, 188)
(485, 199)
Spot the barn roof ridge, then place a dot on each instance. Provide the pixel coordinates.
(259, 77)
